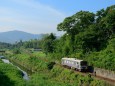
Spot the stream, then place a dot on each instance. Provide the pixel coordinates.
(25, 75)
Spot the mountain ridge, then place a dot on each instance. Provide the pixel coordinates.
(15, 36)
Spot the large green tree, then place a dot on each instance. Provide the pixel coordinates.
(77, 23)
(48, 43)
(74, 25)
(86, 31)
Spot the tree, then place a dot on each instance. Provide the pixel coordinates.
(48, 43)
(77, 23)
(74, 25)
(16, 51)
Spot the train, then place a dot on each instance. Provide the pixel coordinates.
(77, 64)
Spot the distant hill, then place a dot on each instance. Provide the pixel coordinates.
(15, 36)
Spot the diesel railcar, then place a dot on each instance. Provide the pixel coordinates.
(75, 63)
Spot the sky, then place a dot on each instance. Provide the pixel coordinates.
(43, 16)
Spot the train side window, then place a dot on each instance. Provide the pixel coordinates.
(67, 61)
(74, 63)
(71, 62)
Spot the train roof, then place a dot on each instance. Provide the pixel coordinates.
(72, 59)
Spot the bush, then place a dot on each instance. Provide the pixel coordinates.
(50, 65)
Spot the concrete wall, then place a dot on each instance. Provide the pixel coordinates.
(105, 73)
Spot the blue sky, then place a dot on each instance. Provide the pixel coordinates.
(42, 16)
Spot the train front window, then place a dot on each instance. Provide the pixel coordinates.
(83, 63)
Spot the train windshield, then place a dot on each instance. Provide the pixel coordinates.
(84, 63)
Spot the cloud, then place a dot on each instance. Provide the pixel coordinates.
(30, 16)
(36, 5)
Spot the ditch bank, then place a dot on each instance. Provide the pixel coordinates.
(22, 66)
(24, 73)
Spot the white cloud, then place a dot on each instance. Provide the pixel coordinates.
(39, 6)
(34, 18)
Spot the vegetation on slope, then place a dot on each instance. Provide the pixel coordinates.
(10, 75)
(46, 73)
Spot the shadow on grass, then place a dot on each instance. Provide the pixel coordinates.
(5, 81)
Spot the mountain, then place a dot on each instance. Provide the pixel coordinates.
(15, 36)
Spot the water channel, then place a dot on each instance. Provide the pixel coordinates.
(25, 75)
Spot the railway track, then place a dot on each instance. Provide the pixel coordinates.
(108, 81)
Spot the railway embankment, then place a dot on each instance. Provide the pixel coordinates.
(105, 73)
